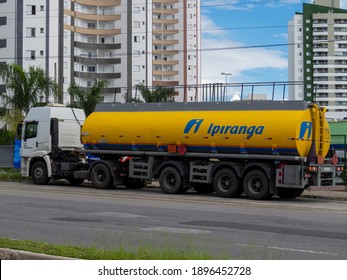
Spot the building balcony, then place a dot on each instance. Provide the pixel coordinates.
(165, 1)
(98, 17)
(165, 62)
(165, 73)
(96, 60)
(165, 32)
(90, 31)
(165, 21)
(166, 84)
(96, 75)
(165, 42)
(165, 11)
(105, 3)
(165, 52)
(96, 46)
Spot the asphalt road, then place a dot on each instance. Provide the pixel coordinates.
(304, 228)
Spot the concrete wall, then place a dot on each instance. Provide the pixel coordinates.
(6, 156)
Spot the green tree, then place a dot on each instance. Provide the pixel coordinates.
(24, 90)
(159, 94)
(87, 100)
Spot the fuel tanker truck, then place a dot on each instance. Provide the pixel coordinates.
(256, 148)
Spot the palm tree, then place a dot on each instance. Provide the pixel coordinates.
(87, 100)
(159, 94)
(26, 89)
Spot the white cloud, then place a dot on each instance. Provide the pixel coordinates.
(245, 5)
(220, 54)
(236, 61)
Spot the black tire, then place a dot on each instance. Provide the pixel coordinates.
(289, 193)
(171, 180)
(256, 185)
(75, 181)
(227, 184)
(39, 173)
(202, 188)
(101, 176)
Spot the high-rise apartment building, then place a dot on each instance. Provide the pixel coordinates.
(318, 54)
(152, 42)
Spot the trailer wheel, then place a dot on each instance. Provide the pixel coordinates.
(226, 183)
(101, 176)
(256, 185)
(171, 181)
(289, 193)
(39, 173)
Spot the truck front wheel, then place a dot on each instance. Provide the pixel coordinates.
(171, 181)
(101, 176)
(226, 183)
(256, 185)
(39, 173)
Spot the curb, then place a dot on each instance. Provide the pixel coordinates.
(9, 254)
(336, 198)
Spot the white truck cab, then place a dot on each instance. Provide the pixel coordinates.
(49, 133)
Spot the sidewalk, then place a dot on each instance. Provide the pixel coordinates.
(332, 194)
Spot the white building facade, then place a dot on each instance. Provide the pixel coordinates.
(318, 54)
(155, 43)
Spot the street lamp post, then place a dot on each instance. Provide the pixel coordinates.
(226, 82)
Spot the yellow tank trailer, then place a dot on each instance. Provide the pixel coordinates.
(268, 128)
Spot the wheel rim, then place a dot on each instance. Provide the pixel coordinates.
(170, 180)
(101, 176)
(255, 185)
(39, 172)
(225, 183)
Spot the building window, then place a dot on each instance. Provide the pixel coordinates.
(137, 10)
(3, 20)
(31, 32)
(136, 24)
(31, 55)
(41, 53)
(91, 25)
(31, 10)
(136, 38)
(3, 43)
(42, 30)
(42, 8)
(91, 68)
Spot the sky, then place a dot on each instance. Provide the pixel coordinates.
(231, 29)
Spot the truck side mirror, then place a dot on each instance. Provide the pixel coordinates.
(19, 131)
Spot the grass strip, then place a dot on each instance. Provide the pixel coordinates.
(141, 253)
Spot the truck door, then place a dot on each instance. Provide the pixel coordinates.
(30, 139)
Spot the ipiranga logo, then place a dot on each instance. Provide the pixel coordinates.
(214, 129)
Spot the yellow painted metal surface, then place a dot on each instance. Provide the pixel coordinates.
(255, 132)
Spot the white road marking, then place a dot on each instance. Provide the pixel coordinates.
(177, 230)
(119, 215)
(287, 249)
